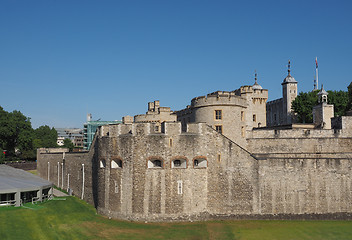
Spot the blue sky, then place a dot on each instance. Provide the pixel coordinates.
(60, 60)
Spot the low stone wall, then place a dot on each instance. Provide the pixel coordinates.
(25, 165)
(70, 171)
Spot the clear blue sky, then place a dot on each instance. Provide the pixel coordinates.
(60, 60)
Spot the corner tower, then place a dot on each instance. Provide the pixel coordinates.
(289, 93)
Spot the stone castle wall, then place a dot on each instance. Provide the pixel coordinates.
(225, 185)
(281, 172)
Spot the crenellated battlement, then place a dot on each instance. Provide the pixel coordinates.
(274, 101)
(135, 129)
(296, 133)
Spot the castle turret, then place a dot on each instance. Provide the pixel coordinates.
(323, 112)
(289, 93)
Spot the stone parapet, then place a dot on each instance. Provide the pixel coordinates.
(219, 98)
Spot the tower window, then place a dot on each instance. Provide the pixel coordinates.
(200, 163)
(254, 118)
(179, 163)
(242, 115)
(155, 163)
(117, 163)
(218, 114)
(218, 128)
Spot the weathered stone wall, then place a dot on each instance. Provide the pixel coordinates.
(227, 185)
(305, 185)
(303, 171)
(65, 170)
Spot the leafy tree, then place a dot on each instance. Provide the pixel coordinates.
(340, 100)
(45, 137)
(303, 106)
(2, 155)
(16, 132)
(68, 144)
(304, 103)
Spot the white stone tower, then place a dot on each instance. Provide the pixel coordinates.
(289, 93)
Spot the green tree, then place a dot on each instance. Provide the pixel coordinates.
(340, 100)
(2, 156)
(304, 103)
(45, 137)
(68, 144)
(16, 132)
(303, 106)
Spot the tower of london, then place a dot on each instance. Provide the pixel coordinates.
(228, 154)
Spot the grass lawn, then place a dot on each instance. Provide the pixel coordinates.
(75, 219)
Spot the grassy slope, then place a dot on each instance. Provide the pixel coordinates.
(75, 219)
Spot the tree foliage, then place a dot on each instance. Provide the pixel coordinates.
(340, 100)
(304, 103)
(45, 137)
(303, 106)
(19, 139)
(68, 144)
(16, 133)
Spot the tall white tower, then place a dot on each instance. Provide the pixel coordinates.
(289, 93)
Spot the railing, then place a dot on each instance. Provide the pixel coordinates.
(44, 197)
(8, 203)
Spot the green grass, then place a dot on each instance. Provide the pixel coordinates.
(35, 172)
(75, 219)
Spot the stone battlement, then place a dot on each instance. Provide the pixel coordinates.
(274, 101)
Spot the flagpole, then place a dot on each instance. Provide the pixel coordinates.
(316, 70)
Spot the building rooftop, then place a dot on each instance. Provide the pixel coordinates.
(16, 180)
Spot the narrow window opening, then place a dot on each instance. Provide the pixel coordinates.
(102, 164)
(170, 142)
(179, 187)
(116, 187)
